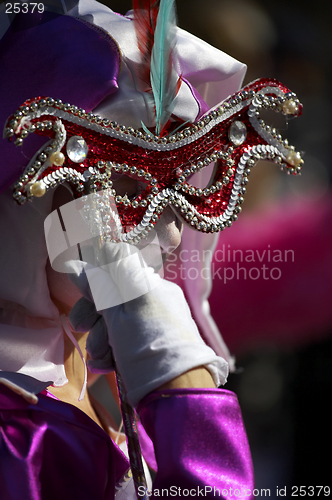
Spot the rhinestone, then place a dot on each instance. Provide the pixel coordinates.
(77, 149)
(237, 133)
(125, 167)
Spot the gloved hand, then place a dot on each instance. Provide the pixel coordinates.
(150, 328)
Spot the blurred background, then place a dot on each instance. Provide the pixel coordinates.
(279, 329)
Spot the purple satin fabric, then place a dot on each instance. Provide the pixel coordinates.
(84, 74)
(200, 442)
(53, 451)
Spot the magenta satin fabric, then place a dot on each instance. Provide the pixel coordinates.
(200, 442)
(54, 451)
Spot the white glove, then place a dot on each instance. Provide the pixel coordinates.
(153, 336)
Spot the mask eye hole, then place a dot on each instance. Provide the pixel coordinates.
(125, 185)
(205, 177)
(274, 120)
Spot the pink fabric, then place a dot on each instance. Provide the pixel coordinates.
(292, 310)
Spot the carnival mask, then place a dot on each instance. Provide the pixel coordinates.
(90, 153)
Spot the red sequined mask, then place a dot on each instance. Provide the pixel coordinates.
(91, 153)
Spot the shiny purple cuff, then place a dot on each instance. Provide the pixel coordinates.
(200, 442)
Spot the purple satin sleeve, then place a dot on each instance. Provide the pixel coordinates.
(200, 442)
(54, 451)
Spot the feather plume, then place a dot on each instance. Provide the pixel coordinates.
(145, 20)
(155, 22)
(165, 82)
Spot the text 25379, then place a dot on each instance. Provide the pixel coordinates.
(24, 8)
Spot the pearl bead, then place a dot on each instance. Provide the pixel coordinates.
(294, 158)
(57, 158)
(290, 107)
(38, 189)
